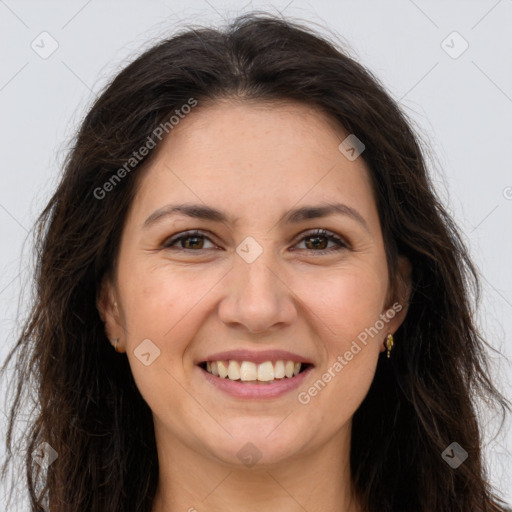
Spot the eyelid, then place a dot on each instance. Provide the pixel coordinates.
(169, 241)
(331, 236)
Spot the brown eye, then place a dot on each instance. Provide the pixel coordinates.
(190, 241)
(318, 240)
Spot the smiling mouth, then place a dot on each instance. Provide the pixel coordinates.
(254, 373)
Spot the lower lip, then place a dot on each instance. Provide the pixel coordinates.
(245, 390)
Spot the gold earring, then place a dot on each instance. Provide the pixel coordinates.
(389, 343)
(116, 340)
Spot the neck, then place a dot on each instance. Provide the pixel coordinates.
(317, 479)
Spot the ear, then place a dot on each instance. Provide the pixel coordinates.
(398, 302)
(106, 303)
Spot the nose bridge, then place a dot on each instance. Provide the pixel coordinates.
(257, 268)
(257, 298)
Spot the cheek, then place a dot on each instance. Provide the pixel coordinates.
(152, 300)
(155, 304)
(348, 306)
(166, 305)
(347, 301)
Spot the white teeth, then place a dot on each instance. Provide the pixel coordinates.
(266, 371)
(233, 370)
(222, 369)
(288, 369)
(279, 370)
(246, 371)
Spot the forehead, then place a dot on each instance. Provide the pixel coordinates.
(250, 159)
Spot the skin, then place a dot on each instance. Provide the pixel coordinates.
(255, 162)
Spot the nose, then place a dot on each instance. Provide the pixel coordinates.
(257, 298)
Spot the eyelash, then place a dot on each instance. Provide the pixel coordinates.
(316, 233)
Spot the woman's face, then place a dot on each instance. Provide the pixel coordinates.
(257, 287)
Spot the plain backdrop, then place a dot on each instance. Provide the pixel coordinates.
(448, 63)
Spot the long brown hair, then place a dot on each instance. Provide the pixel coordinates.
(87, 406)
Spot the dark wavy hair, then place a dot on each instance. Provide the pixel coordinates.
(87, 406)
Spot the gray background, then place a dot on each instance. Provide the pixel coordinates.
(460, 102)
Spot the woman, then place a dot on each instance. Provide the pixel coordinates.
(267, 368)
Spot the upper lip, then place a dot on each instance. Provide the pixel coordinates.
(256, 356)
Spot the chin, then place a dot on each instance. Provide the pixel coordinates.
(259, 443)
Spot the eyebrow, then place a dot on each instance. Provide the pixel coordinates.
(294, 216)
